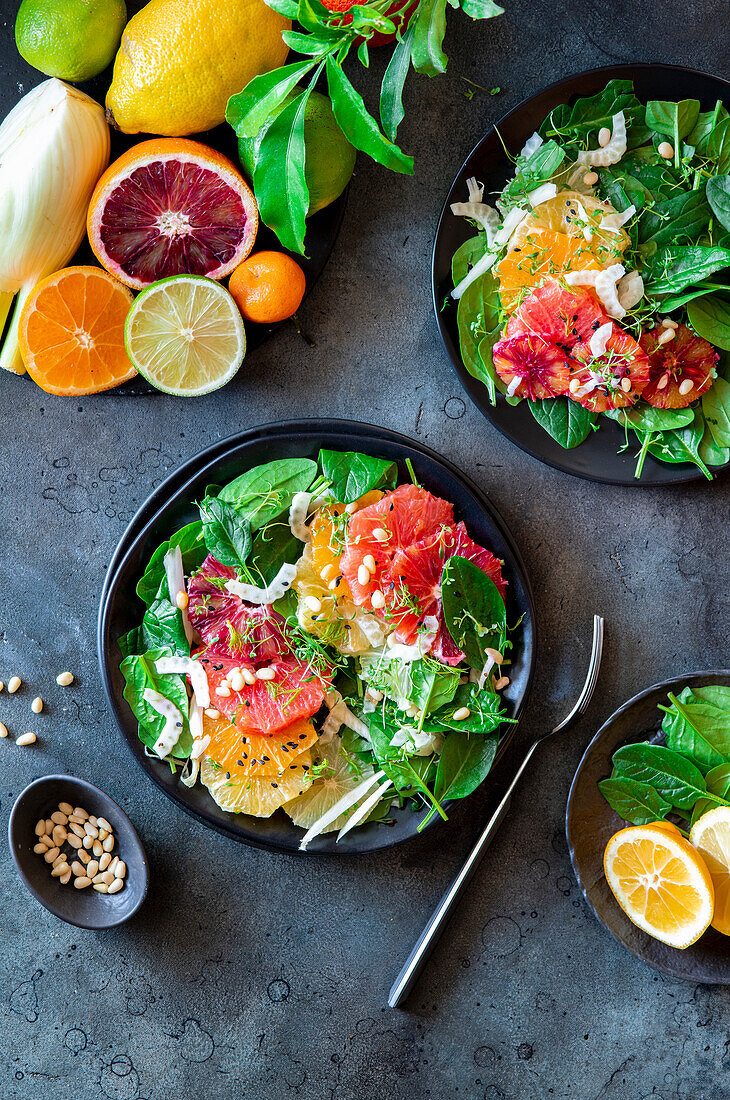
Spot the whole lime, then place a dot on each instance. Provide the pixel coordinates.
(71, 39)
(330, 159)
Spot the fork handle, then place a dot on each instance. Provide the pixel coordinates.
(439, 918)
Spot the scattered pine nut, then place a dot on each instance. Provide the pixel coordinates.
(377, 599)
(98, 848)
(3, 730)
(666, 336)
(26, 739)
(115, 887)
(120, 871)
(626, 385)
(363, 574)
(80, 812)
(265, 673)
(13, 684)
(332, 585)
(663, 382)
(65, 878)
(249, 676)
(212, 712)
(87, 841)
(59, 818)
(502, 682)
(66, 808)
(59, 835)
(237, 683)
(604, 136)
(78, 868)
(82, 882)
(686, 387)
(370, 564)
(113, 864)
(59, 870)
(182, 600)
(77, 830)
(352, 508)
(2, 685)
(313, 603)
(84, 855)
(92, 868)
(51, 854)
(104, 861)
(590, 178)
(223, 690)
(667, 322)
(664, 149)
(380, 534)
(461, 714)
(101, 888)
(329, 572)
(496, 656)
(39, 849)
(65, 679)
(91, 830)
(73, 840)
(108, 845)
(37, 705)
(574, 385)
(108, 877)
(40, 828)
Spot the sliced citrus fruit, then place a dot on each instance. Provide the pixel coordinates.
(331, 614)
(667, 827)
(661, 883)
(254, 754)
(328, 531)
(171, 207)
(228, 626)
(682, 367)
(710, 835)
(531, 367)
(336, 778)
(241, 794)
(185, 336)
(614, 379)
(71, 333)
(294, 691)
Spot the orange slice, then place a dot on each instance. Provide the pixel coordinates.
(243, 794)
(661, 883)
(710, 835)
(252, 754)
(71, 332)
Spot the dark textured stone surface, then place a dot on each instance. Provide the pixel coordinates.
(251, 975)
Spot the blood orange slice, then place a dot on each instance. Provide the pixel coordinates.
(228, 626)
(171, 207)
(681, 370)
(614, 379)
(267, 706)
(531, 367)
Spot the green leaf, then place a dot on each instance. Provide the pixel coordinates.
(485, 712)
(466, 256)
(566, 421)
(645, 418)
(227, 534)
(675, 267)
(278, 176)
(465, 761)
(263, 493)
(684, 215)
(701, 808)
(193, 550)
(718, 196)
(681, 444)
(140, 673)
(536, 169)
(477, 318)
(394, 78)
(699, 730)
(288, 8)
(250, 110)
(634, 801)
(481, 9)
(358, 126)
(718, 781)
(474, 611)
(162, 625)
(272, 547)
(430, 28)
(711, 452)
(432, 685)
(131, 642)
(672, 776)
(676, 120)
(352, 474)
(590, 113)
(718, 145)
(710, 317)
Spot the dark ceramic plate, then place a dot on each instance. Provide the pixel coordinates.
(590, 822)
(598, 458)
(171, 506)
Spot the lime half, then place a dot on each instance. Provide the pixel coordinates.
(185, 335)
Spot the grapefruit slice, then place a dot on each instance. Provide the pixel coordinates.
(171, 207)
(228, 626)
(686, 362)
(253, 754)
(331, 614)
(337, 779)
(242, 794)
(295, 691)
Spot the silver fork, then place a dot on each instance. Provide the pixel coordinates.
(430, 936)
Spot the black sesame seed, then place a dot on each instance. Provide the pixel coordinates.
(240, 763)
(274, 784)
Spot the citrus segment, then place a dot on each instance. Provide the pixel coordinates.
(253, 754)
(186, 336)
(71, 333)
(227, 625)
(241, 794)
(661, 883)
(327, 533)
(268, 705)
(682, 367)
(336, 778)
(171, 207)
(337, 621)
(531, 367)
(710, 835)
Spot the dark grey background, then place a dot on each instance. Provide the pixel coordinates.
(251, 975)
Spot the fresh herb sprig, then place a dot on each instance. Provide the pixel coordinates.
(326, 39)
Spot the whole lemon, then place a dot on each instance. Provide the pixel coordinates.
(71, 39)
(179, 62)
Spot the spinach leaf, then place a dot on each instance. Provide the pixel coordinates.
(465, 761)
(264, 492)
(711, 452)
(718, 145)
(272, 547)
(706, 123)
(718, 781)
(474, 611)
(710, 317)
(716, 694)
(716, 410)
(681, 444)
(535, 169)
(193, 550)
(674, 267)
(466, 256)
(393, 760)
(162, 625)
(227, 535)
(699, 730)
(684, 215)
(675, 120)
(672, 776)
(131, 642)
(485, 714)
(394, 78)
(590, 113)
(566, 421)
(718, 196)
(478, 322)
(352, 474)
(433, 684)
(140, 673)
(633, 800)
(648, 419)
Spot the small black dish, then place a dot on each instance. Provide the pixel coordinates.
(172, 505)
(598, 458)
(590, 822)
(83, 908)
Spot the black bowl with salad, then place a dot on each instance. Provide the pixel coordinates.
(322, 640)
(581, 274)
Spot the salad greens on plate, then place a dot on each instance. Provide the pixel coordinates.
(326, 639)
(598, 285)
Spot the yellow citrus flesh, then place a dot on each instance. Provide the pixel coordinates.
(179, 63)
(661, 883)
(338, 622)
(710, 835)
(336, 780)
(249, 754)
(241, 794)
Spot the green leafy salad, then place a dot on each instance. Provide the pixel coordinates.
(597, 287)
(324, 640)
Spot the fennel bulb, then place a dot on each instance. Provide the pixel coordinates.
(54, 145)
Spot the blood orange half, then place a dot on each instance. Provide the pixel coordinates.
(171, 207)
(268, 705)
(682, 367)
(228, 626)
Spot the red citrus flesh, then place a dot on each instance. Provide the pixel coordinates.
(685, 357)
(228, 626)
(378, 39)
(623, 360)
(540, 367)
(268, 705)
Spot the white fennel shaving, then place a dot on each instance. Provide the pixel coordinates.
(189, 774)
(477, 210)
(176, 583)
(345, 803)
(587, 228)
(604, 283)
(612, 152)
(173, 727)
(514, 385)
(417, 743)
(340, 715)
(630, 290)
(364, 808)
(516, 216)
(599, 340)
(186, 666)
(542, 193)
(616, 219)
(273, 591)
(407, 653)
(298, 516)
(531, 146)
